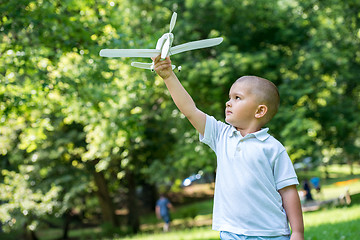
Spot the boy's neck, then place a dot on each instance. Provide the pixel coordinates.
(246, 131)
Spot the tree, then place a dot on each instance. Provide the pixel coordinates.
(80, 114)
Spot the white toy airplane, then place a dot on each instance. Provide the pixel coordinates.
(163, 48)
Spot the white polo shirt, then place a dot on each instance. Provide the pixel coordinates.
(250, 170)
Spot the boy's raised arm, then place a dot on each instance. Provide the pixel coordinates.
(180, 96)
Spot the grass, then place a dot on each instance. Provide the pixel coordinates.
(186, 234)
(333, 224)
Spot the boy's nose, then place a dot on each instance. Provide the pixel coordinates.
(228, 104)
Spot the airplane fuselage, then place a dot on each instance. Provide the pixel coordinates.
(165, 48)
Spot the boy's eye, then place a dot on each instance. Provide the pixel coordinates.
(237, 97)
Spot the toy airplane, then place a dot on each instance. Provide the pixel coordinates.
(163, 48)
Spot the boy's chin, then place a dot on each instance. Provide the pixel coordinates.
(228, 121)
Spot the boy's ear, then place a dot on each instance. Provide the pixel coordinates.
(261, 111)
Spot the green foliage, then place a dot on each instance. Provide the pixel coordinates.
(22, 206)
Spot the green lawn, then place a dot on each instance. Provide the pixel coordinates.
(187, 234)
(333, 224)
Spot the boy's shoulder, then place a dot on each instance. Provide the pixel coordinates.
(274, 141)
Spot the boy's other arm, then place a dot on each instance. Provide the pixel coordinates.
(292, 206)
(180, 96)
(170, 206)
(157, 211)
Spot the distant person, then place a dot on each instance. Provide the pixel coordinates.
(162, 209)
(255, 187)
(315, 181)
(307, 188)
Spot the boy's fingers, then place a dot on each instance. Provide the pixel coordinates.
(161, 65)
(168, 60)
(165, 62)
(156, 59)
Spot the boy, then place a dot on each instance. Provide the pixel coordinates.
(255, 188)
(162, 210)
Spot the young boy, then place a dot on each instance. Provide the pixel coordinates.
(162, 210)
(255, 188)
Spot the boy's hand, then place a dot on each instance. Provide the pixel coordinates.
(163, 67)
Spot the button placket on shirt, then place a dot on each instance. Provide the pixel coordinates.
(238, 147)
(240, 144)
(239, 139)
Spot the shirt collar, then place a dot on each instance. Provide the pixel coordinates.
(261, 135)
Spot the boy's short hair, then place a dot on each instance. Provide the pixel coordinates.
(266, 93)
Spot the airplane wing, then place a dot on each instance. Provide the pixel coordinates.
(146, 53)
(195, 45)
(145, 65)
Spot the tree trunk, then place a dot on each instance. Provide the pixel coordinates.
(326, 171)
(148, 196)
(33, 235)
(28, 234)
(67, 221)
(133, 216)
(351, 165)
(103, 194)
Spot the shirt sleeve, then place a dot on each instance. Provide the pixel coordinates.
(284, 171)
(213, 129)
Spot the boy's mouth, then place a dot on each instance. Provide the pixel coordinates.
(227, 112)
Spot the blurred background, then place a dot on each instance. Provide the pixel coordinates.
(87, 144)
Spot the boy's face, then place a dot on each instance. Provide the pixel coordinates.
(242, 106)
